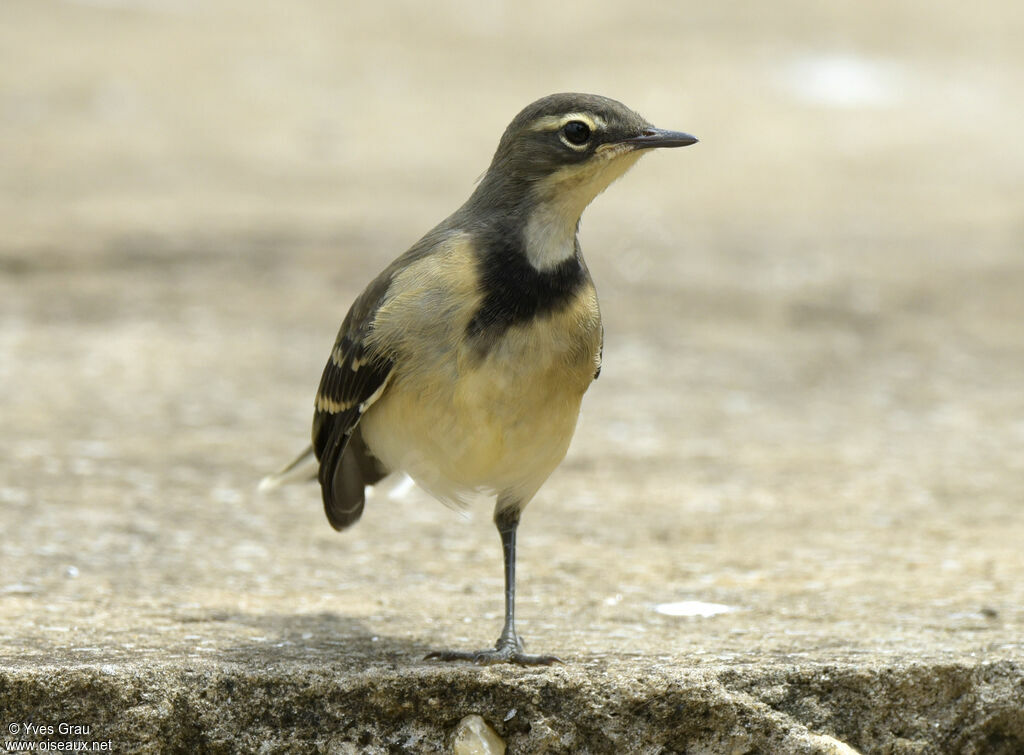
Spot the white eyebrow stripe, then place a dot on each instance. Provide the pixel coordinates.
(555, 122)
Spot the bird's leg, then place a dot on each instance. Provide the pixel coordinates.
(509, 648)
(507, 522)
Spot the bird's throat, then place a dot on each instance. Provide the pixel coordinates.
(560, 199)
(549, 236)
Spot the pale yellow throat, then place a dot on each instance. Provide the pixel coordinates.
(550, 232)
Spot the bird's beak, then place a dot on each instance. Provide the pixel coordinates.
(658, 137)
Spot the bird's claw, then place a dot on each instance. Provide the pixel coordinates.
(508, 652)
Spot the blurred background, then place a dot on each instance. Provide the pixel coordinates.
(815, 318)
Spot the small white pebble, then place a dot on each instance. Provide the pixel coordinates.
(830, 746)
(692, 608)
(474, 737)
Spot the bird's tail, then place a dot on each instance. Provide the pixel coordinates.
(303, 469)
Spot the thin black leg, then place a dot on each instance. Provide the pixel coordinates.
(508, 648)
(507, 523)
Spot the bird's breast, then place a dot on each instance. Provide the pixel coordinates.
(554, 351)
(492, 411)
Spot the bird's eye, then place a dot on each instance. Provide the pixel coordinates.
(576, 132)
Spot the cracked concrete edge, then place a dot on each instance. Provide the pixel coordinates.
(225, 707)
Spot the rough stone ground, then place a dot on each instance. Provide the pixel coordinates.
(812, 407)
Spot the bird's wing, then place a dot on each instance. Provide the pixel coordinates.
(355, 376)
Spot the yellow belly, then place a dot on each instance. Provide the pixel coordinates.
(497, 425)
(460, 422)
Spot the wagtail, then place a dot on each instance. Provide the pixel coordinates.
(465, 361)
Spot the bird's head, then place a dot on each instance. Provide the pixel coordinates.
(565, 149)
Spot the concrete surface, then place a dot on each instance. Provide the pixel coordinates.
(811, 411)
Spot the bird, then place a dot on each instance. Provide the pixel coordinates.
(464, 362)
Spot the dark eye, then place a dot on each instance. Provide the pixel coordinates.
(577, 132)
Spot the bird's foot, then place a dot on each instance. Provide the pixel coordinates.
(506, 651)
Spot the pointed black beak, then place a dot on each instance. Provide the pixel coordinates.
(658, 137)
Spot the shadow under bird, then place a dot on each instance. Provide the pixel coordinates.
(465, 361)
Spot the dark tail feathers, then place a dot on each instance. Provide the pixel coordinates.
(345, 470)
